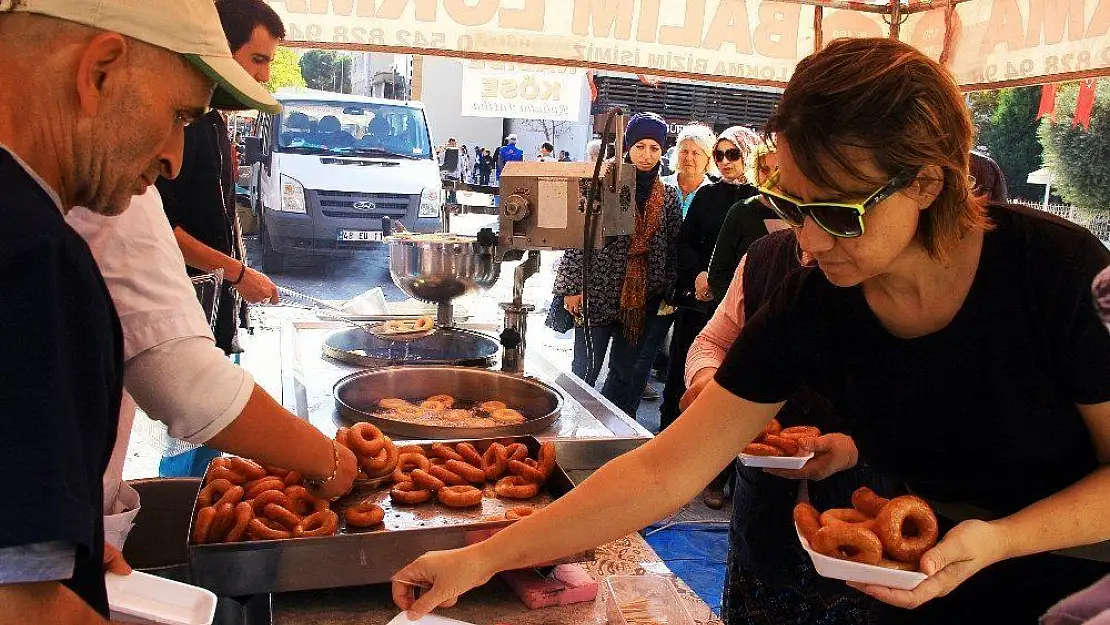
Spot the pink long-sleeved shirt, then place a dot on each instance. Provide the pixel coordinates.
(712, 344)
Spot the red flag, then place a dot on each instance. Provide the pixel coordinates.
(1085, 103)
(649, 80)
(593, 85)
(1048, 102)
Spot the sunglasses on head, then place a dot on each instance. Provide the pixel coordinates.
(844, 220)
(732, 154)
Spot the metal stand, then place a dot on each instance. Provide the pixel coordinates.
(513, 337)
(445, 315)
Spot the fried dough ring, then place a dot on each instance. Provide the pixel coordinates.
(364, 514)
(508, 416)
(490, 406)
(439, 450)
(426, 480)
(466, 471)
(800, 431)
(868, 502)
(322, 523)
(907, 527)
(409, 493)
(459, 496)
(848, 542)
(469, 454)
(393, 403)
(265, 529)
(449, 477)
(849, 516)
(808, 520)
(243, 515)
(495, 461)
(761, 449)
(270, 496)
(365, 439)
(516, 487)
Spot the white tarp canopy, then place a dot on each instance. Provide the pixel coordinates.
(986, 43)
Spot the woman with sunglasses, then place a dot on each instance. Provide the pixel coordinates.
(742, 219)
(628, 279)
(956, 340)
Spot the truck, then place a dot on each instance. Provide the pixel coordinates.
(332, 171)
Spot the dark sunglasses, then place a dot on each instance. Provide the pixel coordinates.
(844, 220)
(732, 154)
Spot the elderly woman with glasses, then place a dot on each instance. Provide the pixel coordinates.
(956, 339)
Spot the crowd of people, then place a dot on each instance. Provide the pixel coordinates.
(852, 268)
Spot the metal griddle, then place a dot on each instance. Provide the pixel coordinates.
(357, 396)
(447, 346)
(362, 556)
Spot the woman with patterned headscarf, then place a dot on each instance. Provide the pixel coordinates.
(629, 278)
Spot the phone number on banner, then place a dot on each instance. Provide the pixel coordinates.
(408, 38)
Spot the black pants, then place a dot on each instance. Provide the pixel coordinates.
(483, 177)
(687, 325)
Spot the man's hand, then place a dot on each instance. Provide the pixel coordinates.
(256, 287)
(114, 562)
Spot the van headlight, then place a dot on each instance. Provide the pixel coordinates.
(431, 202)
(292, 195)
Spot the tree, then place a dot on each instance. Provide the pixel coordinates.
(1080, 158)
(983, 105)
(285, 70)
(1012, 140)
(326, 70)
(549, 128)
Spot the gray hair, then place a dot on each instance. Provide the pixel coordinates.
(593, 148)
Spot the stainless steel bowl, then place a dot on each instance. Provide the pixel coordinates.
(357, 396)
(440, 271)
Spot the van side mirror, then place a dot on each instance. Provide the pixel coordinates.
(253, 147)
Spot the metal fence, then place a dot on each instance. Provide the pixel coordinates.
(1098, 222)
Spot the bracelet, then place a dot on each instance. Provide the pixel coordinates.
(242, 273)
(316, 483)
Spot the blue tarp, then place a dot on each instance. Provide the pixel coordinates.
(696, 553)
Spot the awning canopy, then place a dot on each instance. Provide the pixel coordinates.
(986, 43)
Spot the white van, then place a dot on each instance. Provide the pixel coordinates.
(331, 166)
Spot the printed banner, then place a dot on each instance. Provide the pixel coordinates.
(497, 89)
(989, 42)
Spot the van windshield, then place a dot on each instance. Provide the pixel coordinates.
(352, 128)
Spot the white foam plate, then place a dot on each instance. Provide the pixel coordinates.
(775, 462)
(835, 568)
(144, 598)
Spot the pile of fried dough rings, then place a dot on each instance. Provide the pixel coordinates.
(891, 533)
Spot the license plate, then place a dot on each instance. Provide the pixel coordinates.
(360, 235)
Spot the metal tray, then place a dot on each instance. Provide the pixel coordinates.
(361, 556)
(358, 393)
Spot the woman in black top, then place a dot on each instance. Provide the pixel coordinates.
(958, 343)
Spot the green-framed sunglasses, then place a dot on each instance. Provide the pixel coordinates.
(843, 220)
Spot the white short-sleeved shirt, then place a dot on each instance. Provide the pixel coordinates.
(159, 310)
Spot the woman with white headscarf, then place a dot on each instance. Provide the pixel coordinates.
(695, 162)
(696, 242)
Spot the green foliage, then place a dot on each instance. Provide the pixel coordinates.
(285, 70)
(983, 104)
(1011, 137)
(1080, 158)
(326, 70)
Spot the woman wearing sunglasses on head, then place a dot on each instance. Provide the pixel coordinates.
(956, 340)
(628, 278)
(734, 234)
